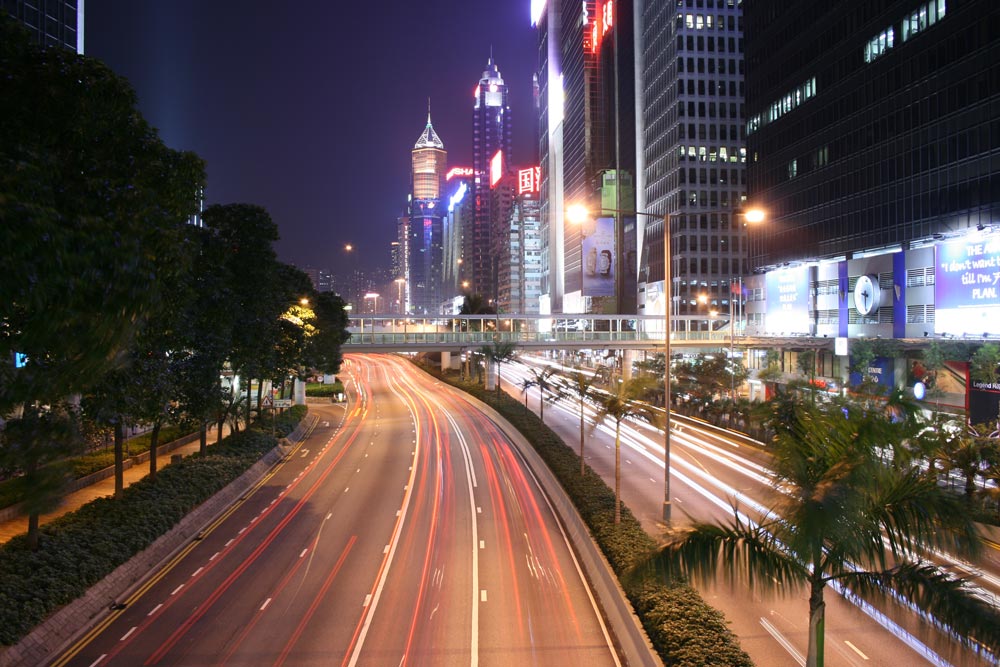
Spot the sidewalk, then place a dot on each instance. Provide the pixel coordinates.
(106, 487)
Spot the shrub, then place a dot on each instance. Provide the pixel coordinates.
(318, 390)
(82, 547)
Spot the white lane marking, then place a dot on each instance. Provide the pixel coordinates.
(127, 634)
(176, 590)
(303, 552)
(198, 571)
(628, 462)
(482, 544)
(98, 661)
(856, 650)
(358, 470)
(787, 645)
(652, 480)
(228, 543)
(405, 487)
(266, 602)
(214, 556)
(398, 512)
(479, 510)
(274, 501)
(154, 610)
(242, 529)
(386, 550)
(329, 516)
(368, 599)
(482, 595)
(347, 489)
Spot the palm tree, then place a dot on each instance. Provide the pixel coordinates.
(526, 384)
(499, 352)
(578, 385)
(624, 400)
(540, 379)
(840, 506)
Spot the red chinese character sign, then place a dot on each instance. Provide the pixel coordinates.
(528, 180)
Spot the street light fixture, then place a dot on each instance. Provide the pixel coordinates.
(577, 213)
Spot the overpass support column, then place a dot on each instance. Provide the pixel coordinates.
(628, 358)
(445, 361)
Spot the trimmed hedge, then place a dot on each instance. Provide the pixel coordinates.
(79, 549)
(683, 628)
(319, 390)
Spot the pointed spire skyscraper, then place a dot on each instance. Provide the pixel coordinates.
(429, 160)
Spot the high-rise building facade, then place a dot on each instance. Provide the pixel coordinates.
(871, 124)
(458, 221)
(692, 156)
(585, 97)
(423, 226)
(491, 133)
(429, 160)
(51, 22)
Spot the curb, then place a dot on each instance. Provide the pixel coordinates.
(74, 619)
(626, 629)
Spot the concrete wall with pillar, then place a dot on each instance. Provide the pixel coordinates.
(628, 358)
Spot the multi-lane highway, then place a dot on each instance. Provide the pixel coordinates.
(709, 472)
(405, 530)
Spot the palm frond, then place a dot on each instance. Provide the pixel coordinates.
(946, 598)
(741, 553)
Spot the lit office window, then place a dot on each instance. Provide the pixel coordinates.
(879, 44)
(925, 16)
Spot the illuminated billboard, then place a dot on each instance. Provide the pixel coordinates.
(496, 168)
(788, 301)
(967, 286)
(598, 247)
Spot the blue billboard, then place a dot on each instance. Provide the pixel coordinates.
(788, 301)
(967, 286)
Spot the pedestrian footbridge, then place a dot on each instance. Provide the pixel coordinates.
(455, 333)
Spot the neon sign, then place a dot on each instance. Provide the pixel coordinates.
(602, 24)
(528, 180)
(458, 171)
(496, 168)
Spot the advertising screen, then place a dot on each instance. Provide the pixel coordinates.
(788, 301)
(599, 257)
(967, 286)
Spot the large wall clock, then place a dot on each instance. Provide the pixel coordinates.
(866, 295)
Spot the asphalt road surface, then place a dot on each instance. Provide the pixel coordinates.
(709, 473)
(404, 530)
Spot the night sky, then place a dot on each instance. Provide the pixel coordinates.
(310, 109)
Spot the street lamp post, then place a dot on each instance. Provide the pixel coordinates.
(577, 213)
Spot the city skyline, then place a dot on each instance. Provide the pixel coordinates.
(264, 106)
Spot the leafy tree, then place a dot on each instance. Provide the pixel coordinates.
(110, 405)
(475, 304)
(969, 454)
(36, 444)
(93, 204)
(624, 400)
(985, 364)
(255, 287)
(206, 328)
(840, 506)
(806, 363)
(324, 348)
(579, 386)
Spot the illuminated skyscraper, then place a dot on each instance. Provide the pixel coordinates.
(429, 159)
(51, 22)
(491, 132)
(422, 235)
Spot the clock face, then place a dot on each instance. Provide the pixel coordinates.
(866, 295)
